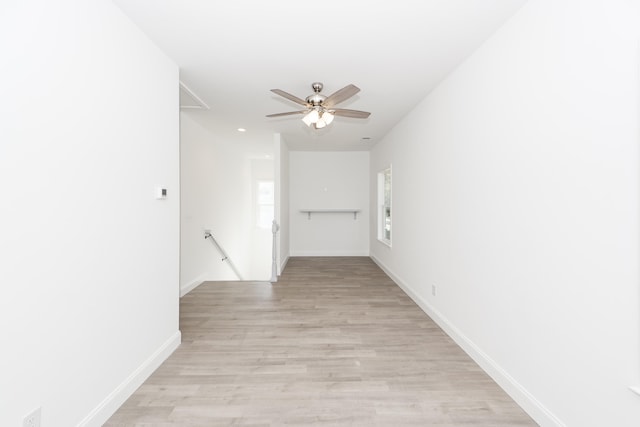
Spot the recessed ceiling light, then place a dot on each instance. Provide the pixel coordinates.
(242, 130)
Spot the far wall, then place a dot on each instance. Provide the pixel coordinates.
(329, 180)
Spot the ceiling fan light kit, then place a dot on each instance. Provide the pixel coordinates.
(319, 111)
(312, 117)
(318, 118)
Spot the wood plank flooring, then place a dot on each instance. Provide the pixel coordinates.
(333, 343)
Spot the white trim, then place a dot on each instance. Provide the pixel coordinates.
(202, 105)
(515, 390)
(101, 413)
(380, 220)
(192, 285)
(283, 265)
(385, 242)
(330, 253)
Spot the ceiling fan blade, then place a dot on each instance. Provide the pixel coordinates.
(287, 113)
(350, 113)
(289, 96)
(341, 95)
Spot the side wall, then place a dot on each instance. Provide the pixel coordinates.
(282, 200)
(515, 195)
(89, 270)
(329, 180)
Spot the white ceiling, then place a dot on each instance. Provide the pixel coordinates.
(232, 53)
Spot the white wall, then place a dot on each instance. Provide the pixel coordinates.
(89, 258)
(329, 180)
(281, 158)
(218, 178)
(515, 193)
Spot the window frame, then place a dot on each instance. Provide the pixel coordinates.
(384, 209)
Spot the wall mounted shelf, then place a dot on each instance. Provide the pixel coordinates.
(310, 211)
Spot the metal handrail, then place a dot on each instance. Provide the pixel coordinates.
(225, 257)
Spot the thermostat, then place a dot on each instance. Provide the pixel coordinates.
(161, 193)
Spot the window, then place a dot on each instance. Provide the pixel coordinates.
(384, 206)
(265, 200)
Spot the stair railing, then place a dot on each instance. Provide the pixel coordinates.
(225, 257)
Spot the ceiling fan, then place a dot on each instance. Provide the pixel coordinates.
(319, 109)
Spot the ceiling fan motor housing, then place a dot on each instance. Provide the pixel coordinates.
(316, 99)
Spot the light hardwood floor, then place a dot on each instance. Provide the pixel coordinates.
(333, 343)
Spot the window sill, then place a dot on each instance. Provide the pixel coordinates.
(385, 242)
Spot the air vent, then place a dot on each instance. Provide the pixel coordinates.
(189, 100)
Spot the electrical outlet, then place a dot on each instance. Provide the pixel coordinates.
(33, 419)
(433, 290)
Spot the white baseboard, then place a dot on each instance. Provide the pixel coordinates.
(283, 264)
(515, 390)
(117, 397)
(330, 253)
(192, 285)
